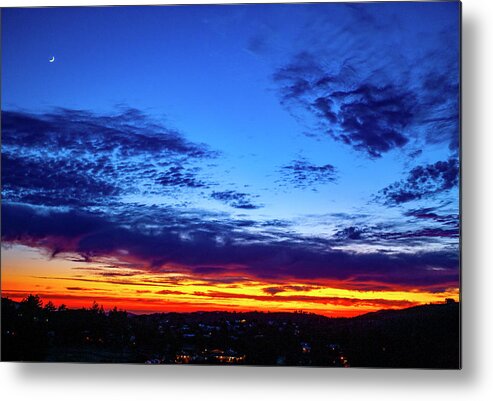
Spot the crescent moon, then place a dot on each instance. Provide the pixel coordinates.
(52, 59)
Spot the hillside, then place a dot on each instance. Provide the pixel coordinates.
(425, 336)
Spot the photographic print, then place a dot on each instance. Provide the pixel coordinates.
(258, 184)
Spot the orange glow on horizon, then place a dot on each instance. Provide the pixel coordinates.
(78, 283)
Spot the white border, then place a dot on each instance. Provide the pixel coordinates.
(122, 382)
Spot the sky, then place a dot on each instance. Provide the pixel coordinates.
(232, 157)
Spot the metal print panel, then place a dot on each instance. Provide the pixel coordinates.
(269, 184)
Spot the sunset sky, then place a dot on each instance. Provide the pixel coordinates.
(245, 157)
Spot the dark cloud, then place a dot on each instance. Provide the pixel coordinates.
(422, 182)
(368, 117)
(79, 158)
(238, 200)
(423, 233)
(432, 214)
(57, 181)
(273, 290)
(423, 227)
(350, 233)
(170, 292)
(387, 238)
(303, 174)
(284, 288)
(276, 223)
(363, 90)
(118, 274)
(372, 119)
(126, 133)
(441, 96)
(382, 303)
(210, 270)
(178, 176)
(296, 79)
(253, 255)
(21, 221)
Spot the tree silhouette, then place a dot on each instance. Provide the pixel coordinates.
(32, 303)
(50, 307)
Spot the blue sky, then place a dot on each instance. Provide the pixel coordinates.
(334, 126)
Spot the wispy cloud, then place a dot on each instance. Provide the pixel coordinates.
(238, 200)
(359, 87)
(380, 303)
(422, 182)
(79, 158)
(301, 173)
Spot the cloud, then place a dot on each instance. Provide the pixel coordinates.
(446, 221)
(432, 214)
(355, 302)
(372, 119)
(382, 87)
(242, 255)
(440, 107)
(422, 182)
(284, 288)
(423, 230)
(83, 159)
(117, 274)
(368, 117)
(128, 132)
(351, 233)
(303, 174)
(273, 290)
(296, 79)
(238, 200)
(57, 181)
(25, 222)
(170, 292)
(430, 232)
(177, 176)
